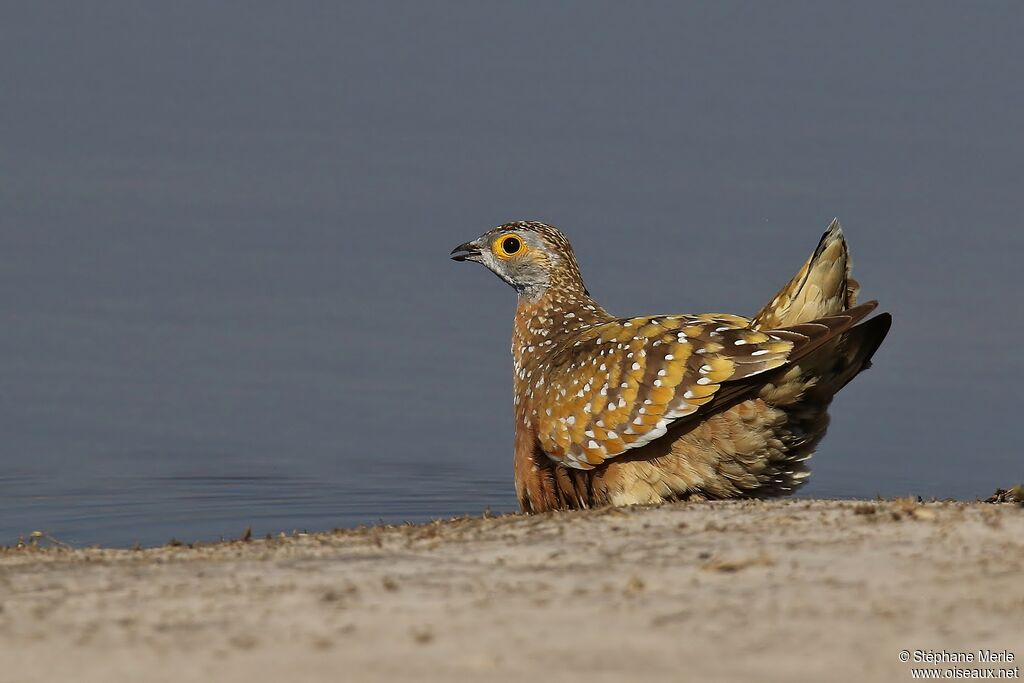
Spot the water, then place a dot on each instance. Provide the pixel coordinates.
(224, 234)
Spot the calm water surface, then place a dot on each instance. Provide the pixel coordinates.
(226, 299)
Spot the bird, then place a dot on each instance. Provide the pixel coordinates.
(613, 411)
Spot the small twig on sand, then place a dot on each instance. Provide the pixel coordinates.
(1014, 494)
(37, 538)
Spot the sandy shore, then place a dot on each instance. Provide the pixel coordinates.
(773, 591)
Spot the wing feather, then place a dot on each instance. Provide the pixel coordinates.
(621, 384)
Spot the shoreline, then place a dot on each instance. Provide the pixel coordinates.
(38, 540)
(794, 589)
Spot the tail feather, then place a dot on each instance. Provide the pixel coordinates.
(822, 287)
(855, 350)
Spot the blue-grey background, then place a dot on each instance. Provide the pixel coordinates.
(224, 235)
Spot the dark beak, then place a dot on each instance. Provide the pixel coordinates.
(466, 252)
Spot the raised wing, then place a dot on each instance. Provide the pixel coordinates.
(619, 385)
(823, 286)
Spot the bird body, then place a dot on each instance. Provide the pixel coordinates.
(647, 409)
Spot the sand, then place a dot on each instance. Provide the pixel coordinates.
(771, 591)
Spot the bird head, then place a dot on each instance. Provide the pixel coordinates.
(530, 256)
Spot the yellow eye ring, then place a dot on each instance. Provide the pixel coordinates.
(508, 245)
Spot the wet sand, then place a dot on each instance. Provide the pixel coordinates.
(772, 591)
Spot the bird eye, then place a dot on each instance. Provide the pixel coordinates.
(511, 245)
(508, 246)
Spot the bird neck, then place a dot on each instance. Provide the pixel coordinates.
(544, 323)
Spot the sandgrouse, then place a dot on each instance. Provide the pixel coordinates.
(625, 411)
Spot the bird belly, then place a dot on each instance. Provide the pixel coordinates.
(754, 448)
